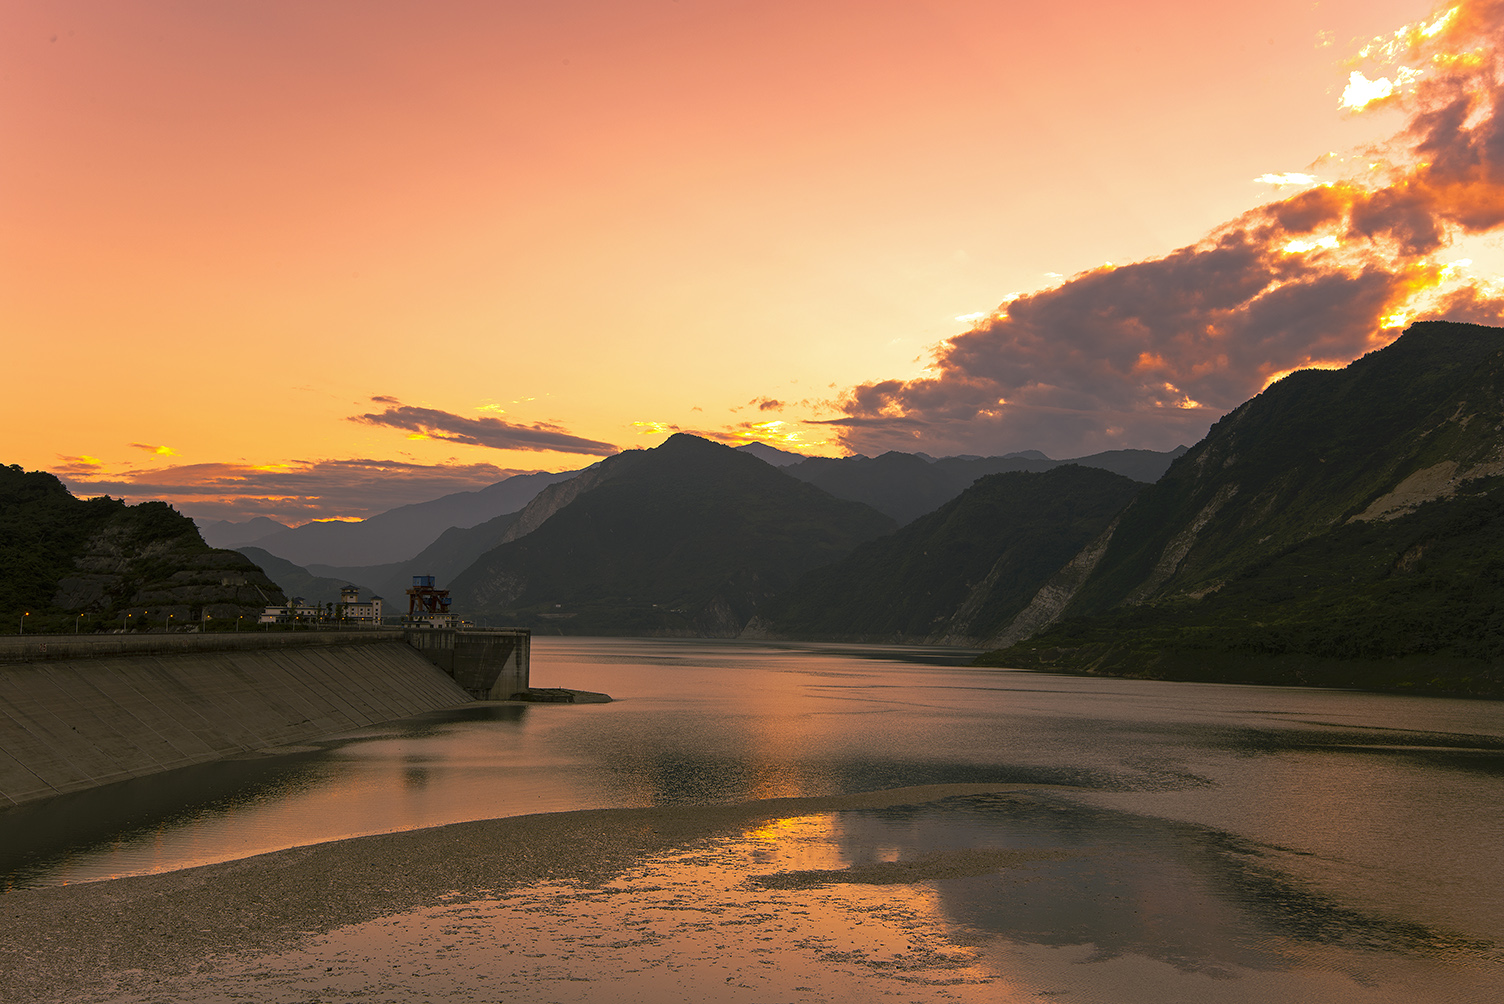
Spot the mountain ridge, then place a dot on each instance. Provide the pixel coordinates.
(1343, 526)
(687, 538)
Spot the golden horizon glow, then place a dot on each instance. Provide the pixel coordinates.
(303, 241)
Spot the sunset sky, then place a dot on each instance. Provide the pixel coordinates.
(313, 260)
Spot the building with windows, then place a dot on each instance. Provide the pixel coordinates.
(353, 611)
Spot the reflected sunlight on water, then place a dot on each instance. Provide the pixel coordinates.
(1156, 841)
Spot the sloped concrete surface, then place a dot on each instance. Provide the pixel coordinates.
(68, 724)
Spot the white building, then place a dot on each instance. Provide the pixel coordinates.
(296, 609)
(353, 611)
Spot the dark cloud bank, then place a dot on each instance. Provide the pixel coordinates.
(1149, 354)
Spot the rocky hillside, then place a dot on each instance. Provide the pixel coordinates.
(63, 558)
(961, 574)
(1342, 527)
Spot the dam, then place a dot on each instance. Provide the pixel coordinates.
(82, 711)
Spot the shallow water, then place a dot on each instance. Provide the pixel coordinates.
(1158, 841)
(1361, 781)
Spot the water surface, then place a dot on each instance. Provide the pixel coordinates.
(1303, 843)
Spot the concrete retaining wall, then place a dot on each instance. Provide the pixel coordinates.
(73, 723)
(490, 664)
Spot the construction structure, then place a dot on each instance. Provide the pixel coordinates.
(428, 606)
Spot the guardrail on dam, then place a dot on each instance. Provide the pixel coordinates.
(80, 711)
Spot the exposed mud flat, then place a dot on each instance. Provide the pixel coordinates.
(945, 892)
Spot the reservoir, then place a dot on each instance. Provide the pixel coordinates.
(1211, 831)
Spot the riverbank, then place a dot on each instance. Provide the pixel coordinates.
(1421, 675)
(163, 937)
(967, 893)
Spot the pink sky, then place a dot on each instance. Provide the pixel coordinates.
(303, 259)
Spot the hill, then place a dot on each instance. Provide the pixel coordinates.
(98, 564)
(454, 551)
(689, 538)
(908, 485)
(401, 533)
(959, 574)
(771, 454)
(230, 534)
(295, 580)
(1341, 527)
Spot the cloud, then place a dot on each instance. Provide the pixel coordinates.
(767, 404)
(294, 492)
(1149, 354)
(161, 451)
(429, 423)
(79, 465)
(775, 432)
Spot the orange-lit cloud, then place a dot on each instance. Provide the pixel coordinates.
(294, 492)
(79, 465)
(429, 423)
(1148, 354)
(785, 435)
(161, 451)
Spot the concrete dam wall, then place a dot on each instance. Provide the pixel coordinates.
(78, 714)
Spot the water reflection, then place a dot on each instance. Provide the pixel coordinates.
(1195, 898)
(233, 808)
(1348, 785)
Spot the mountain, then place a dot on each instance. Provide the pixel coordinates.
(908, 485)
(92, 565)
(399, 534)
(295, 580)
(1147, 466)
(454, 551)
(1342, 527)
(689, 538)
(771, 454)
(960, 573)
(227, 534)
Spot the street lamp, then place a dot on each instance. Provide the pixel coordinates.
(23, 621)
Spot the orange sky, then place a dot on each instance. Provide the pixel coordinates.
(571, 227)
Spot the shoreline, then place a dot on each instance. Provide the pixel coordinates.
(60, 942)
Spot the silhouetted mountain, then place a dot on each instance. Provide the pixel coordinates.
(771, 454)
(959, 574)
(110, 564)
(908, 485)
(401, 533)
(1342, 527)
(1146, 466)
(454, 551)
(688, 538)
(295, 580)
(228, 534)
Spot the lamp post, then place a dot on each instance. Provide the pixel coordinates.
(23, 621)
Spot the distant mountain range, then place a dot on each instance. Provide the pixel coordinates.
(227, 533)
(908, 485)
(689, 538)
(393, 536)
(1342, 527)
(958, 574)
